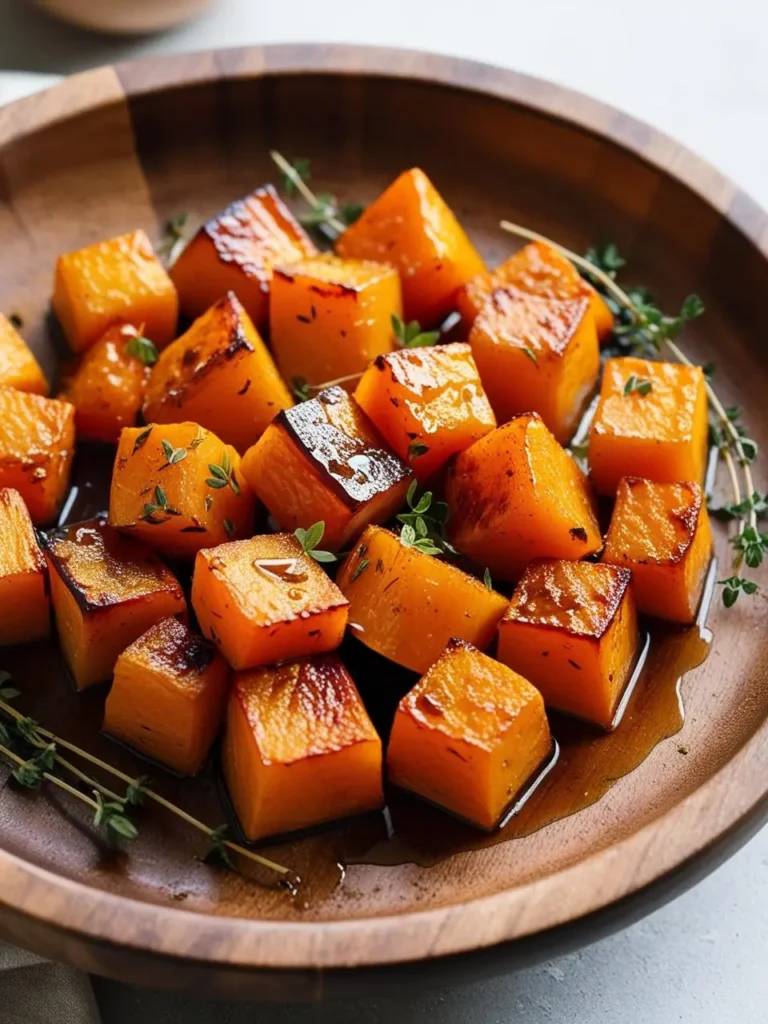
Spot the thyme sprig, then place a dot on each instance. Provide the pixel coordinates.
(326, 215)
(410, 335)
(158, 506)
(423, 525)
(143, 349)
(223, 474)
(310, 538)
(174, 238)
(303, 391)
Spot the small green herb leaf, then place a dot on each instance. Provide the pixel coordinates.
(173, 238)
(362, 565)
(301, 390)
(750, 546)
(217, 851)
(229, 527)
(411, 335)
(487, 579)
(134, 793)
(172, 455)
(737, 510)
(143, 349)
(531, 354)
(606, 258)
(638, 385)
(310, 538)
(110, 815)
(157, 507)
(223, 474)
(141, 440)
(300, 170)
(416, 449)
(734, 585)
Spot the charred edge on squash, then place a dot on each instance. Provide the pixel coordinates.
(617, 594)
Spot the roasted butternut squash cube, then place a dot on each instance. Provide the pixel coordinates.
(468, 736)
(411, 225)
(26, 608)
(120, 279)
(407, 605)
(516, 495)
(299, 749)
(219, 374)
(329, 317)
(179, 488)
(37, 443)
(537, 269)
(264, 600)
(106, 590)
(651, 421)
(168, 696)
(571, 629)
(324, 461)
(537, 355)
(107, 388)
(428, 404)
(662, 533)
(18, 367)
(236, 251)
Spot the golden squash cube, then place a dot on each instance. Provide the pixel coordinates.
(571, 629)
(516, 495)
(24, 600)
(264, 600)
(106, 590)
(18, 367)
(468, 736)
(299, 749)
(651, 421)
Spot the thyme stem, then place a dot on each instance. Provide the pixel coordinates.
(52, 778)
(303, 189)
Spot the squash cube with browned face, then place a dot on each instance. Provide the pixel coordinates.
(661, 532)
(179, 488)
(469, 736)
(571, 629)
(168, 696)
(37, 443)
(427, 403)
(651, 422)
(219, 374)
(106, 590)
(516, 495)
(537, 355)
(236, 251)
(24, 600)
(118, 280)
(264, 600)
(324, 461)
(299, 749)
(18, 367)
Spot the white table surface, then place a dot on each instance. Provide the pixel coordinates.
(697, 70)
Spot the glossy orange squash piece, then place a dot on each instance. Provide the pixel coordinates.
(537, 355)
(538, 269)
(407, 605)
(179, 489)
(468, 736)
(236, 251)
(517, 495)
(107, 388)
(571, 629)
(263, 600)
(661, 435)
(168, 696)
(18, 367)
(427, 403)
(120, 279)
(662, 533)
(299, 748)
(329, 317)
(324, 461)
(26, 608)
(411, 225)
(37, 443)
(106, 590)
(219, 374)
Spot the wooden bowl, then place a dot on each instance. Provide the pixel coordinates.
(123, 147)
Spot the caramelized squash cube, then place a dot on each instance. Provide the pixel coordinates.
(168, 696)
(428, 404)
(37, 443)
(407, 605)
(328, 317)
(26, 608)
(299, 749)
(219, 374)
(18, 367)
(411, 225)
(179, 488)
(654, 426)
(537, 269)
(571, 629)
(106, 590)
(468, 736)
(537, 355)
(107, 388)
(236, 251)
(516, 495)
(264, 600)
(324, 461)
(120, 279)
(662, 533)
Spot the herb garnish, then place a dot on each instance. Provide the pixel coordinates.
(173, 239)
(159, 506)
(309, 539)
(487, 580)
(417, 449)
(424, 524)
(410, 335)
(362, 565)
(326, 216)
(141, 440)
(757, 502)
(143, 349)
(172, 455)
(638, 385)
(302, 391)
(229, 528)
(223, 474)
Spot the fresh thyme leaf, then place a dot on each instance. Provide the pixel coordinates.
(223, 474)
(410, 335)
(350, 212)
(143, 349)
(141, 440)
(27, 728)
(423, 525)
(708, 369)
(408, 535)
(487, 580)
(134, 793)
(29, 775)
(158, 506)
(416, 448)
(300, 388)
(531, 354)
(172, 455)
(750, 546)
(173, 238)
(310, 538)
(229, 527)
(9, 692)
(300, 169)
(734, 585)
(110, 815)
(362, 565)
(217, 851)
(638, 385)
(606, 258)
(736, 510)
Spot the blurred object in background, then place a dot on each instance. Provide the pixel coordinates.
(124, 16)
